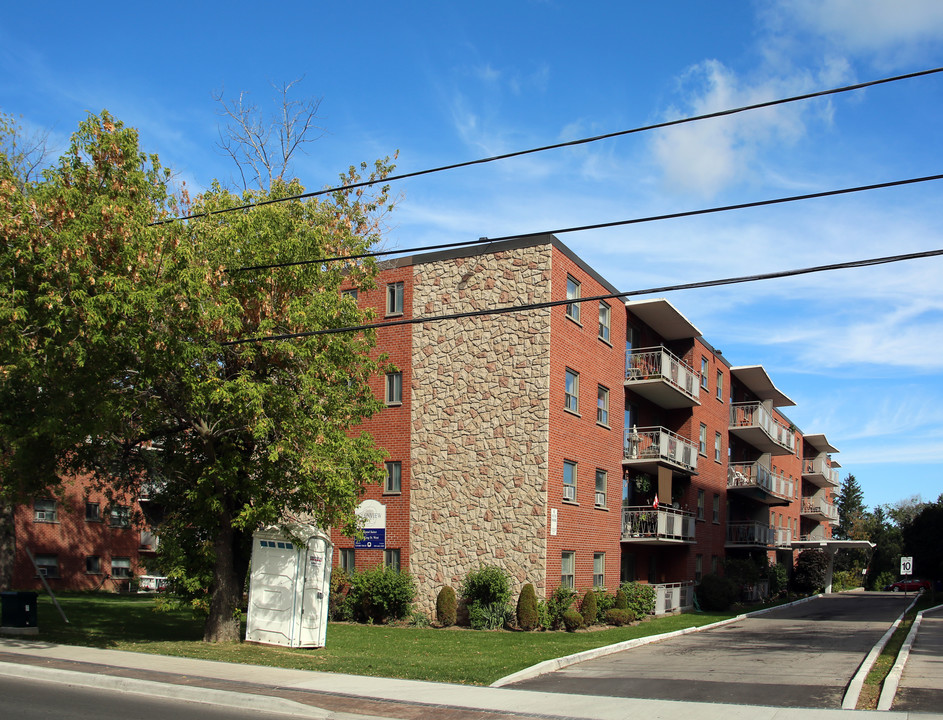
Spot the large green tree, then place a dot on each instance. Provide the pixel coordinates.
(850, 506)
(923, 540)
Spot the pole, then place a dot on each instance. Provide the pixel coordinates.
(46, 585)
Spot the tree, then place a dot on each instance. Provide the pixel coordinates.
(923, 540)
(850, 506)
(885, 559)
(903, 512)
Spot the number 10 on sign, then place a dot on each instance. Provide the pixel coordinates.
(906, 566)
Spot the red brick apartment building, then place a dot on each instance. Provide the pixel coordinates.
(540, 440)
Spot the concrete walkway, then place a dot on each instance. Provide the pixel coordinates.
(921, 683)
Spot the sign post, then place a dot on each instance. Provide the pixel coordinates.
(906, 568)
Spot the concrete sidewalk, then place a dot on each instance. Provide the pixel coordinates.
(920, 688)
(329, 695)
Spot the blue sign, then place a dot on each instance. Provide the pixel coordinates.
(373, 539)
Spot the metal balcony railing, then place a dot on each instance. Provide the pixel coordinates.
(646, 523)
(673, 597)
(659, 444)
(819, 508)
(756, 415)
(756, 475)
(749, 533)
(659, 363)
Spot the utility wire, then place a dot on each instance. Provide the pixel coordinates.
(632, 293)
(570, 143)
(598, 226)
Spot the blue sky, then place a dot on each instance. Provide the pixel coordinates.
(861, 351)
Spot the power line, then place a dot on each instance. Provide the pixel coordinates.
(612, 296)
(599, 226)
(569, 143)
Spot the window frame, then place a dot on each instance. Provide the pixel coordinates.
(705, 366)
(573, 308)
(718, 446)
(119, 516)
(719, 392)
(599, 578)
(570, 470)
(394, 388)
(605, 322)
(121, 571)
(702, 440)
(698, 567)
(700, 504)
(352, 293)
(44, 561)
(95, 516)
(604, 476)
(568, 562)
(715, 509)
(571, 400)
(392, 558)
(395, 298)
(49, 509)
(602, 405)
(394, 472)
(93, 565)
(347, 559)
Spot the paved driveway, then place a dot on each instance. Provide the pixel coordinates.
(800, 656)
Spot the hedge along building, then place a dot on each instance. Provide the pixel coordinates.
(537, 440)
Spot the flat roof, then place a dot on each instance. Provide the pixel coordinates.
(664, 318)
(819, 442)
(758, 380)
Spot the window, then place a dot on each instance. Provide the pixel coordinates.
(93, 565)
(572, 293)
(394, 477)
(572, 391)
(702, 440)
(568, 569)
(714, 564)
(348, 561)
(394, 388)
(717, 446)
(704, 367)
(698, 567)
(602, 406)
(605, 315)
(569, 481)
(93, 512)
(716, 508)
(700, 504)
(720, 386)
(353, 294)
(391, 558)
(599, 570)
(45, 511)
(48, 565)
(394, 298)
(121, 567)
(602, 479)
(120, 516)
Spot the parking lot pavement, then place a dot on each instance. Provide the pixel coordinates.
(798, 656)
(921, 684)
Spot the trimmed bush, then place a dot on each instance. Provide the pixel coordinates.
(640, 598)
(620, 602)
(716, 592)
(381, 594)
(445, 607)
(619, 617)
(527, 617)
(588, 608)
(560, 601)
(811, 566)
(572, 620)
(487, 585)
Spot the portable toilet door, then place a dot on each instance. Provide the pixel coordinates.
(316, 592)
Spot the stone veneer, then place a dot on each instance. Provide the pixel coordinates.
(480, 421)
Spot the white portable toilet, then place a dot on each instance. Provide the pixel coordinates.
(289, 588)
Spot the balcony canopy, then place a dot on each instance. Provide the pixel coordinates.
(758, 381)
(664, 318)
(820, 443)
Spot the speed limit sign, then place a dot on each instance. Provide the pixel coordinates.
(906, 566)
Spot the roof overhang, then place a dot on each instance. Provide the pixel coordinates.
(820, 443)
(664, 318)
(756, 378)
(835, 544)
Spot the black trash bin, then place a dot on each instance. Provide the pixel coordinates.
(18, 609)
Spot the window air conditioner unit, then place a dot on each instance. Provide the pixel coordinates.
(40, 515)
(600, 499)
(569, 492)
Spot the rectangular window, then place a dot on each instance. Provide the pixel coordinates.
(717, 447)
(698, 567)
(602, 479)
(716, 508)
(573, 293)
(572, 391)
(602, 406)
(394, 298)
(605, 317)
(704, 368)
(714, 564)
(48, 565)
(394, 477)
(568, 569)
(702, 440)
(121, 567)
(394, 388)
(700, 504)
(93, 512)
(45, 511)
(720, 386)
(93, 565)
(569, 481)
(120, 516)
(599, 570)
(353, 294)
(348, 559)
(391, 558)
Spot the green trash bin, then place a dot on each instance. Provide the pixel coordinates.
(18, 609)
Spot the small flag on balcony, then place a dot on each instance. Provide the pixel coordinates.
(655, 504)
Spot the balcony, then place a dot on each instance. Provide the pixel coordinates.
(658, 375)
(754, 423)
(817, 471)
(149, 542)
(782, 537)
(673, 597)
(645, 525)
(749, 534)
(818, 510)
(758, 482)
(644, 449)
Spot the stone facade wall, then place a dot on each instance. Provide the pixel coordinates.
(480, 421)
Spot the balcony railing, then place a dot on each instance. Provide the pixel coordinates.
(782, 537)
(673, 597)
(749, 533)
(647, 525)
(755, 423)
(819, 509)
(758, 479)
(653, 445)
(817, 471)
(660, 376)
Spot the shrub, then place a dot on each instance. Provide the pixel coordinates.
(543, 615)
(619, 616)
(560, 601)
(743, 571)
(717, 592)
(640, 598)
(778, 576)
(620, 602)
(488, 617)
(588, 608)
(883, 580)
(445, 607)
(419, 619)
(604, 601)
(338, 607)
(380, 594)
(487, 585)
(527, 617)
(811, 566)
(846, 580)
(572, 620)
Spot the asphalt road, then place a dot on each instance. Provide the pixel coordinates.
(800, 656)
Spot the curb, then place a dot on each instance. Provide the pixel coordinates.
(892, 681)
(548, 666)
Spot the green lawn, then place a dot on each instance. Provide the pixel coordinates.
(455, 655)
